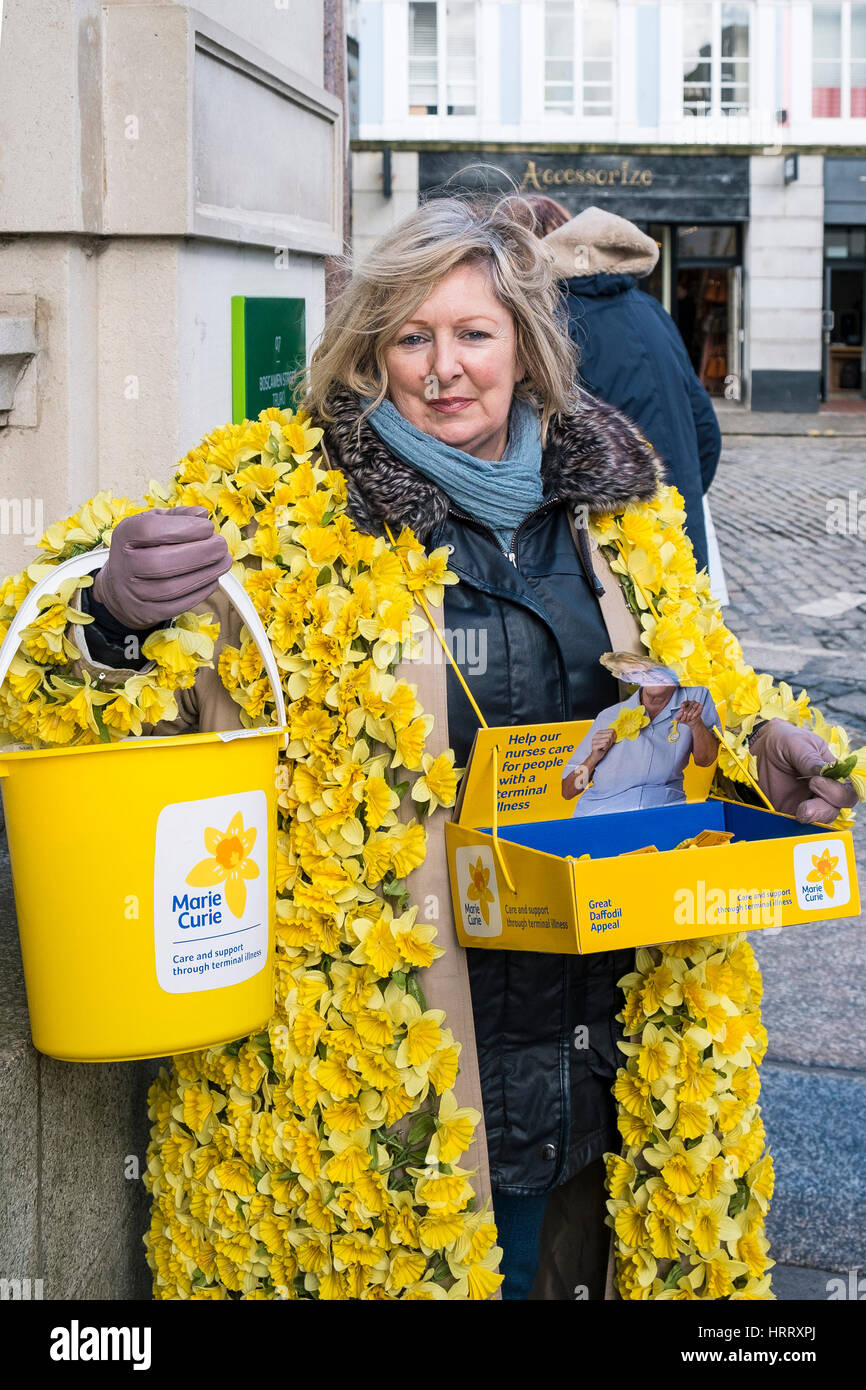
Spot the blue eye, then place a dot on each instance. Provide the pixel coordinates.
(476, 333)
(411, 340)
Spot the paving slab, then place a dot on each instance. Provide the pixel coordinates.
(797, 1284)
(737, 419)
(814, 1123)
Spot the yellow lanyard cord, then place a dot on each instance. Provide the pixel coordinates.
(497, 848)
(746, 773)
(444, 645)
(495, 827)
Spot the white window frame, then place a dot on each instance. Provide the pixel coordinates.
(579, 83)
(716, 61)
(442, 69)
(847, 8)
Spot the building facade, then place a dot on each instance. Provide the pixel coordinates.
(150, 172)
(733, 133)
(158, 161)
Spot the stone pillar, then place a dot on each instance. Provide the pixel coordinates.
(335, 81)
(155, 159)
(140, 143)
(784, 292)
(374, 213)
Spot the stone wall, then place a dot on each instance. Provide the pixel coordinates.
(73, 1209)
(155, 160)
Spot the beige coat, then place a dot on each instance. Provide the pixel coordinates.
(208, 706)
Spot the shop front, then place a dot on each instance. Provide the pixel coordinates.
(843, 375)
(699, 280)
(694, 206)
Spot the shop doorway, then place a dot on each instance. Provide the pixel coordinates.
(843, 375)
(699, 280)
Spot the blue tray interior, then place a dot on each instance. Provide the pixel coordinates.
(663, 826)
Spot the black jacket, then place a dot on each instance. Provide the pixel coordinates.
(536, 635)
(631, 354)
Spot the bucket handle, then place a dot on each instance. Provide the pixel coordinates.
(81, 565)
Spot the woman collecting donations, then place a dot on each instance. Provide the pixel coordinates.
(444, 384)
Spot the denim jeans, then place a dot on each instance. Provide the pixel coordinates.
(519, 1221)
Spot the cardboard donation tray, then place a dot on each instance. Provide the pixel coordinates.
(519, 883)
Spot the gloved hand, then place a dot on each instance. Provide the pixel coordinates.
(161, 563)
(789, 769)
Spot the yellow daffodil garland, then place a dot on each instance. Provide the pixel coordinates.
(318, 1159)
(39, 705)
(682, 627)
(689, 1194)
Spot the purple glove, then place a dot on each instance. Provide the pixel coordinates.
(789, 768)
(161, 563)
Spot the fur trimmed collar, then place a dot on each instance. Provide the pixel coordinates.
(595, 457)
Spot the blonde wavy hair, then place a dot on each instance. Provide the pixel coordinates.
(404, 268)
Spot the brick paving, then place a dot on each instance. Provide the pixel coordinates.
(770, 507)
(771, 501)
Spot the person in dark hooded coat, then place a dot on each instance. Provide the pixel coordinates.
(631, 353)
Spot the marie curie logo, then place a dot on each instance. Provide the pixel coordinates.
(821, 873)
(229, 864)
(477, 890)
(211, 914)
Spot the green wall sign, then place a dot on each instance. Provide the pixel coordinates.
(269, 342)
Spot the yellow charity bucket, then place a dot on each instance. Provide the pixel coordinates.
(144, 876)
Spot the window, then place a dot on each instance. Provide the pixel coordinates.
(858, 60)
(827, 60)
(578, 57)
(708, 242)
(598, 60)
(842, 242)
(423, 60)
(559, 56)
(715, 58)
(442, 85)
(839, 60)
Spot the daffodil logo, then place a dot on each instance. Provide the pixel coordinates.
(229, 863)
(824, 871)
(478, 891)
(821, 870)
(479, 896)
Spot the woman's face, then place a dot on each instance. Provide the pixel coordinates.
(453, 366)
(655, 697)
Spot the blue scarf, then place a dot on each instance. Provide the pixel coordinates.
(499, 494)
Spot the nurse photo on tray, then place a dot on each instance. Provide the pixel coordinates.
(635, 753)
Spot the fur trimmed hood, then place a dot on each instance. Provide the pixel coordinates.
(599, 241)
(595, 457)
